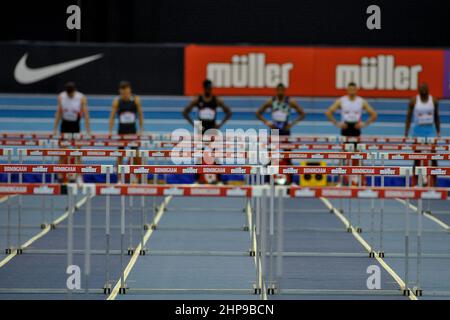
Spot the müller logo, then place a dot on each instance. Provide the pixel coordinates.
(248, 71)
(43, 190)
(39, 169)
(289, 170)
(438, 172)
(380, 73)
(388, 171)
(110, 190)
(339, 171)
(142, 170)
(190, 170)
(238, 171)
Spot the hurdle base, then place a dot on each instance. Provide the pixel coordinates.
(142, 252)
(19, 251)
(107, 288)
(8, 251)
(256, 289)
(52, 226)
(123, 290)
(43, 226)
(130, 251)
(381, 254)
(272, 289)
(252, 253)
(359, 230)
(418, 292)
(406, 292)
(246, 228)
(372, 254)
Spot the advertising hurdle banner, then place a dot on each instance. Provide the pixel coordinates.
(309, 71)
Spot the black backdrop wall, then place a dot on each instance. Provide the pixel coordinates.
(404, 23)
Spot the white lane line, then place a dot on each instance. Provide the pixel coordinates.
(367, 246)
(4, 199)
(255, 250)
(427, 215)
(136, 253)
(43, 232)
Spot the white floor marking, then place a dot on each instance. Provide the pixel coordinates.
(427, 215)
(136, 253)
(43, 232)
(367, 246)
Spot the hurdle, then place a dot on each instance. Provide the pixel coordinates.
(262, 203)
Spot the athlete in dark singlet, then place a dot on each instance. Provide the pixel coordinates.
(280, 107)
(207, 105)
(127, 107)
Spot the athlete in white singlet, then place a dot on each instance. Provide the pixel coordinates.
(72, 106)
(423, 110)
(351, 107)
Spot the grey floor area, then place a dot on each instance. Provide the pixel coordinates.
(200, 250)
(43, 264)
(430, 271)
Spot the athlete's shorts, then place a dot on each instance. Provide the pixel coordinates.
(351, 131)
(281, 126)
(127, 129)
(206, 125)
(70, 126)
(424, 131)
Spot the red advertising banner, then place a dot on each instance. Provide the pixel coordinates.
(378, 72)
(242, 70)
(248, 70)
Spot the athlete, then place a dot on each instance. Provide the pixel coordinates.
(351, 107)
(426, 114)
(127, 108)
(280, 107)
(72, 106)
(207, 104)
(423, 110)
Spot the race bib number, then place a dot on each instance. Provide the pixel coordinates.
(425, 118)
(279, 116)
(207, 114)
(127, 117)
(70, 115)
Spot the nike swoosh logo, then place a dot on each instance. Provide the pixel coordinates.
(25, 75)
